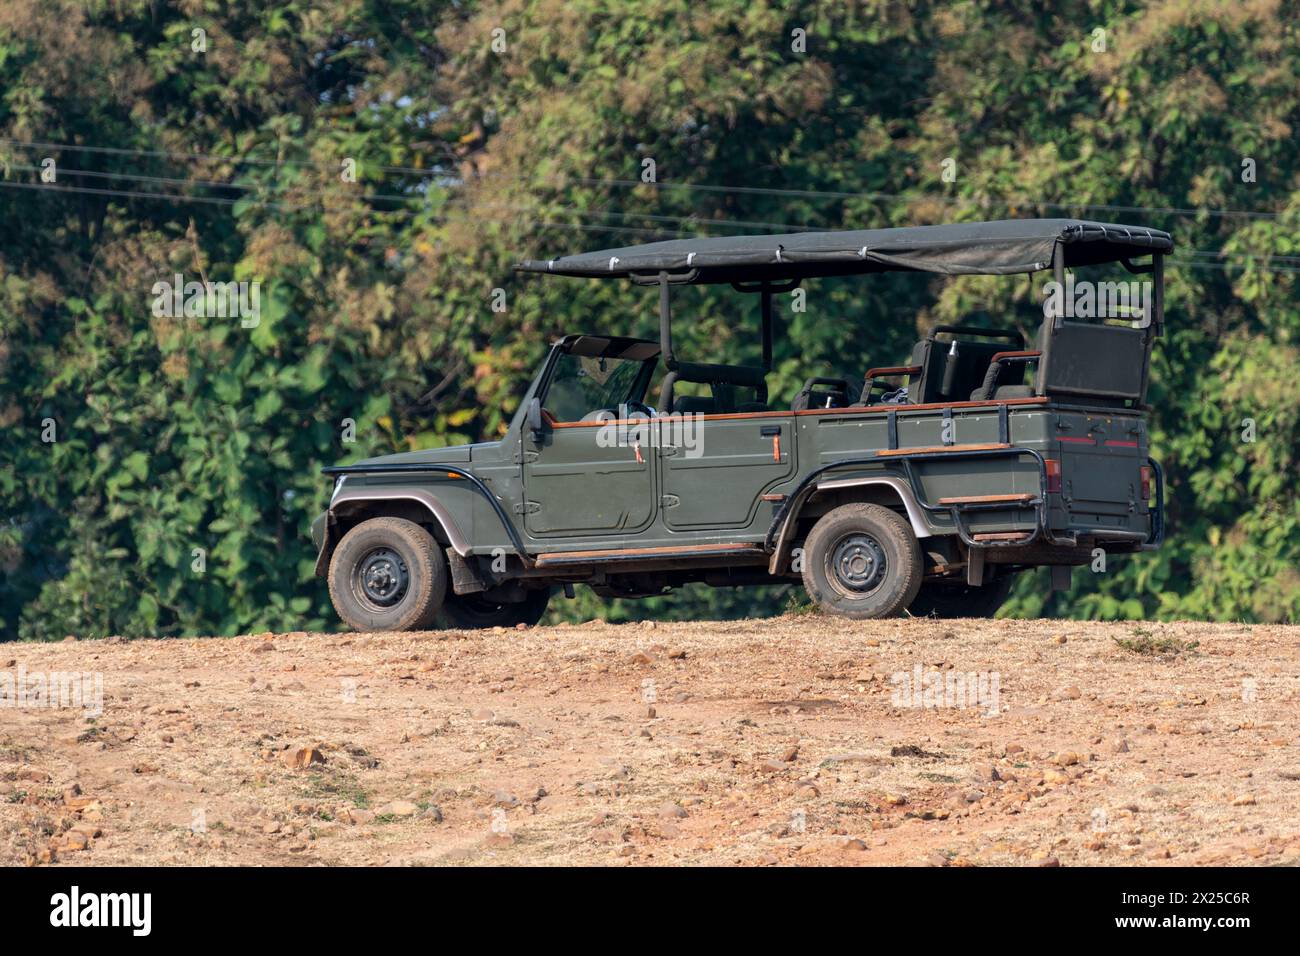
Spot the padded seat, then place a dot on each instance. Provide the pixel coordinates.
(723, 381)
(952, 369)
(1014, 391)
(694, 405)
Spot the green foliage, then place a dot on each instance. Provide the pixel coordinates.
(179, 434)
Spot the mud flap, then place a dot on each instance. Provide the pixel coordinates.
(1061, 574)
(465, 577)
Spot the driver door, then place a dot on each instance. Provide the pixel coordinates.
(580, 480)
(585, 477)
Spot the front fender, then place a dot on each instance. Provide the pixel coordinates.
(325, 529)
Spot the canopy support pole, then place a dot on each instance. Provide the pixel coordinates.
(665, 324)
(1058, 273)
(766, 303)
(1155, 324)
(1158, 277)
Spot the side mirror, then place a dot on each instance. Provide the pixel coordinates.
(535, 418)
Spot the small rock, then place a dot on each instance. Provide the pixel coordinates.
(400, 808)
(1069, 692)
(1244, 800)
(673, 811)
(303, 758)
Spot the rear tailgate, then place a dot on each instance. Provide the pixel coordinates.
(1105, 482)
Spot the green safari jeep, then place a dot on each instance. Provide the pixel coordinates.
(925, 489)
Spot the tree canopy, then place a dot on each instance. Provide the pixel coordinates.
(377, 167)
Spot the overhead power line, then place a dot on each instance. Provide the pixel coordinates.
(448, 153)
(217, 200)
(585, 226)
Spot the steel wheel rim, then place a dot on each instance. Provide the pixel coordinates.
(856, 564)
(381, 579)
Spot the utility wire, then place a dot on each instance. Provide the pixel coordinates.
(590, 227)
(217, 200)
(392, 197)
(701, 187)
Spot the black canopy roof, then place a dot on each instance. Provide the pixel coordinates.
(1004, 247)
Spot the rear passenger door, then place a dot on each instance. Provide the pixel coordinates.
(715, 468)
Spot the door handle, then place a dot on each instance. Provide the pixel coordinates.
(774, 432)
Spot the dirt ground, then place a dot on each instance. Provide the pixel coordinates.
(796, 741)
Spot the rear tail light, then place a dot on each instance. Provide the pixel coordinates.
(1146, 482)
(1053, 476)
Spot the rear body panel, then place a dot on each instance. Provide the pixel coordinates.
(1102, 454)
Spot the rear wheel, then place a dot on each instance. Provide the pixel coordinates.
(387, 574)
(470, 611)
(862, 561)
(962, 600)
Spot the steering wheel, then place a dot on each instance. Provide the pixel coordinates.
(640, 407)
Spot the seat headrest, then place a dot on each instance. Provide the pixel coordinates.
(705, 374)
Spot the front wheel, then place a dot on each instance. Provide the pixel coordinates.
(472, 611)
(388, 574)
(862, 561)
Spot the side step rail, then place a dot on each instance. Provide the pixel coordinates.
(617, 555)
(958, 506)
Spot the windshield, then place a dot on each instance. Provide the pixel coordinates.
(583, 384)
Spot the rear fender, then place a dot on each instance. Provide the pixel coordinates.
(896, 486)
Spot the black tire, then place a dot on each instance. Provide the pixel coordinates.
(388, 574)
(472, 611)
(936, 599)
(862, 561)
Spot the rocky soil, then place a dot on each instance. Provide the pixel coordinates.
(795, 741)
